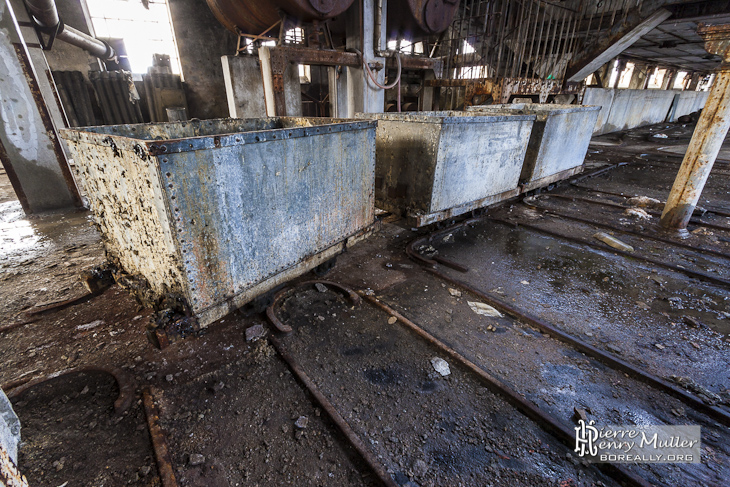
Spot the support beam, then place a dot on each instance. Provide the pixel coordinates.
(362, 94)
(615, 45)
(708, 136)
(30, 150)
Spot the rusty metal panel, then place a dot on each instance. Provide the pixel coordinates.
(559, 140)
(441, 164)
(212, 209)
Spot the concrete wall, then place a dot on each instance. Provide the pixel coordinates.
(602, 97)
(623, 109)
(636, 108)
(201, 41)
(686, 102)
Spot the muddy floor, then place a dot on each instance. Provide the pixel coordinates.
(233, 412)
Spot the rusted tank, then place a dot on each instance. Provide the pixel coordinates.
(409, 18)
(214, 213)
(255, 16)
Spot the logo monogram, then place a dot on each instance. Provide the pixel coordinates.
(585, 437)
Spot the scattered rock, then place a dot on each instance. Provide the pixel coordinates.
(692, 321)
(441, 366)
(707, 395)
(696, 345)
(58, 464)
(455, 292)
(526, 283)
(420, 468)
(483, 309)
(613, 242)
(659, 346)
(392, 320)
(255, 332)
(580, 413)
(675, 302)
(145, 470)
(301, 422)
(320, 287)
(638, 213)
(196, 459)
(169, 377)
(89, 326)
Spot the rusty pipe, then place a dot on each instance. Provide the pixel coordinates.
(45, 15)
(707, 139)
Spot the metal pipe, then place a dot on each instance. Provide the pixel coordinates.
(45, 15)
(707, 139)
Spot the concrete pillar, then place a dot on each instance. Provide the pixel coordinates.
(362, 94)
(282, 89)
(29, 146)
(669, 77)
(640, 77)
(708, 136)
(244, 86)
(694, 81)
(620, 68)
(337, 82)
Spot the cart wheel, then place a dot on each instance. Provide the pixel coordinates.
(324, 267)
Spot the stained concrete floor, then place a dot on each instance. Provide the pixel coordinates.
(232, 409)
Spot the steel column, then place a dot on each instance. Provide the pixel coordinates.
(708, 136)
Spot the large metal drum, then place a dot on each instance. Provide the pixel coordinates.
(413, 18)
(255, 16)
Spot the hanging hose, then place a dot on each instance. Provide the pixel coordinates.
(374, 79)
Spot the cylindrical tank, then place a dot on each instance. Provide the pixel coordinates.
(413, 18)
(255, 16)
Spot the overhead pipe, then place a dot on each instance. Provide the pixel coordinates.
(45, 15)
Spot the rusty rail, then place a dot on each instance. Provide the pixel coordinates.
(681, 270)
(271, 310)
(123, 379)
(613, 193)
(609, 359)
(336, 417)
(543, 419)
(159, 440)
(629, 232)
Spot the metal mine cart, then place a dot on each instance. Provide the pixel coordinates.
(217, 212)
(431, 166)
(559, 140)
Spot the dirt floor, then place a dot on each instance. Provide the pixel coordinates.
(235, 413)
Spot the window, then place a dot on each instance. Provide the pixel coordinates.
(146, 31)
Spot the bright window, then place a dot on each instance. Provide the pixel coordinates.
(145, 31)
